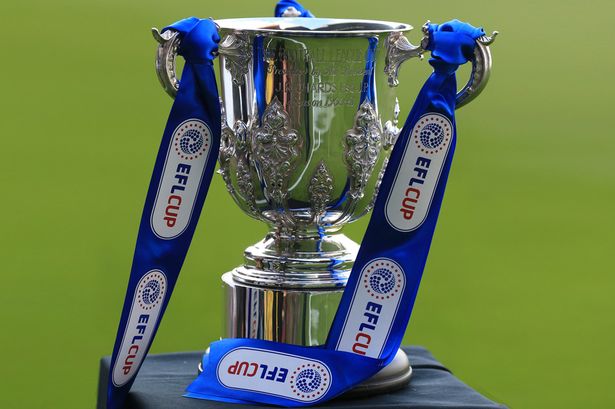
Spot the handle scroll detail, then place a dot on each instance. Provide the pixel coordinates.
(399, 49)
(168, 45)
(481, 70)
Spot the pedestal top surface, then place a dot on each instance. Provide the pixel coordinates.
(164, 377)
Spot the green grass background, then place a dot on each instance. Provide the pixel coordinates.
(517, 296)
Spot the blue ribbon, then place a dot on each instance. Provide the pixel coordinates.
(378, 299)
(184, 166)
(284, 5)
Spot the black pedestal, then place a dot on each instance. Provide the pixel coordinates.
(163, 378)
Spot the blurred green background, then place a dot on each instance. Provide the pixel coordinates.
(517, 297)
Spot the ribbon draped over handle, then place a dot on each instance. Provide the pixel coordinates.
(399, 50)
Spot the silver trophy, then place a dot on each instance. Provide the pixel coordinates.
(304, 150)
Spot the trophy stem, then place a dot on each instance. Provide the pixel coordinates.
(316, 261)
(289, 287)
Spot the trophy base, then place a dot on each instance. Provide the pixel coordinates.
(299, 316)
(392, 377)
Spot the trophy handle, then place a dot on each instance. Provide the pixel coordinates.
(399, 49)
(168, 44)
(481, 70)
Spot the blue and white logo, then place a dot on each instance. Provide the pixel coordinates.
(150, 292)
(372, 311)
(432, 135)
(418, 173)
(181, 178)
(308, 380)
(258, 370)
(144, 313)
(382, 281)
(191, 141)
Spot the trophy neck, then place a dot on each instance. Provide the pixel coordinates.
(303, 260)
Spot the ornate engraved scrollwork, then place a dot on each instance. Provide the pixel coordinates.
(320, 188)
(371, 204)
(227, 150)
(237, 51)
(399, 49)
(363, 143)
(391, 130)
(275, 146)
(234, 143)
(244, 167)
(244, 182)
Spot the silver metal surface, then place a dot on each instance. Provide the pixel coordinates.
(399, 49)
(299, 316)
(391, 130)
(292, 316)
(311, 27)
(392, 377)
(306, 154)
(302, 153)
(481, 70)
(168, 44)
(237, 50)
(362, 148)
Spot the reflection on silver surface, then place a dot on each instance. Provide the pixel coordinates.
(302, 102)
(291, 316)
(313, 27)
(363, 143)
(303, 149)
(237, 51)
(399, 49)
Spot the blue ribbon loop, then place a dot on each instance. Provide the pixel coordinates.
(377, 302)
(284, 5)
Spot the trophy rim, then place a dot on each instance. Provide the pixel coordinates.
(313, 27)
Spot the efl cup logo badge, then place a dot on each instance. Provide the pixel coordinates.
(144, 314)
(373, 308)
(191, 139)
(274, 373)
(418, 173)
(181, 178)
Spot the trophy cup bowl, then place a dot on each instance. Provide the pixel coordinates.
(309, 119)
